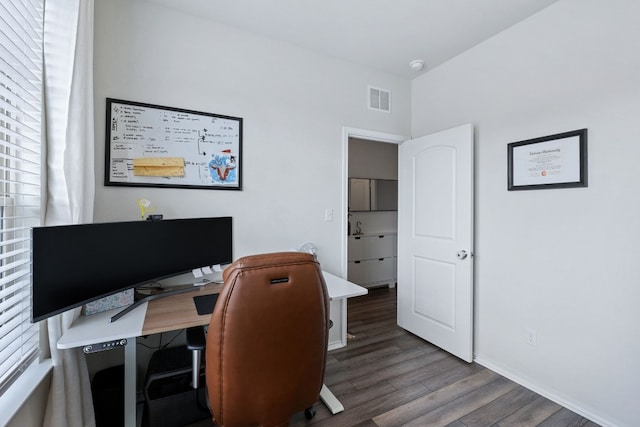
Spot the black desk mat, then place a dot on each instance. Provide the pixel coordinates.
(205, 303)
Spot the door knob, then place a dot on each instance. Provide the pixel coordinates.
(462, 254)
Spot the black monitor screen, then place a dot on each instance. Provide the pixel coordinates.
(76, 264)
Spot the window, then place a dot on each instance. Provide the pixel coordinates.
(20, 170)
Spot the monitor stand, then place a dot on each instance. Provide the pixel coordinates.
(151, 297)
(176, 284)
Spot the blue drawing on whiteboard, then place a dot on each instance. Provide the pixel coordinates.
(223, 168)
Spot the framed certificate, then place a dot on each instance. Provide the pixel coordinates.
(554, 161)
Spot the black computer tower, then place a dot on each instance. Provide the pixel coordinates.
(170, 400)
(107, 389)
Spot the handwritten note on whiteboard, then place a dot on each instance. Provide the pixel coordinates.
(155, 146)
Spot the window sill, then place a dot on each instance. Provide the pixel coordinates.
(18, 393)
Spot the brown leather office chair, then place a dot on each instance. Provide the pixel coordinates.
(267, 340)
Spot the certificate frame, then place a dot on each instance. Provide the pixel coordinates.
(548, 162)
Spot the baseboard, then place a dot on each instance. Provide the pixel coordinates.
(489, 364)
(335, 345)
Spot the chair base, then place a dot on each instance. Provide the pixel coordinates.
(309, 413)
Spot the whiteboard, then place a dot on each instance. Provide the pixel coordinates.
(156, 146)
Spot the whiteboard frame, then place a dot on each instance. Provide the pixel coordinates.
(133, 181)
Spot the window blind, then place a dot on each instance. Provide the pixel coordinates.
(20, 159)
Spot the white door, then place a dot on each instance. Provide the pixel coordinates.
(435, 239)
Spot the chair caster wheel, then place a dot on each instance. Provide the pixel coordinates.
(309, 413)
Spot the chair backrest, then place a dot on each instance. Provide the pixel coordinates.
(267, 340)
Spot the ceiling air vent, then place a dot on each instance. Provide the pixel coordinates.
(379, 99)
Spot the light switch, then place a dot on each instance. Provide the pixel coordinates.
(328, 215)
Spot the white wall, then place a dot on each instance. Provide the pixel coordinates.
(32, 412)
(563, 262)
(294, 104)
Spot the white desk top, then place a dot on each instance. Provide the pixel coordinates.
(339, 288)
(97, 328)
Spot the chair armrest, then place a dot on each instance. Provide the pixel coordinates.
(195, 338)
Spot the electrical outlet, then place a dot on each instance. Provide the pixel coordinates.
(532, 337)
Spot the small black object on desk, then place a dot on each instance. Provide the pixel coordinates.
(205, 303)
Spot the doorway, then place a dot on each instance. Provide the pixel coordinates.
(444, 161)
(369, 230)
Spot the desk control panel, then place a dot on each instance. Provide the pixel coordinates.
(107, 345)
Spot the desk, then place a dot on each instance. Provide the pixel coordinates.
(169, 314)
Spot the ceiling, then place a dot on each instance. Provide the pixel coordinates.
(380, 34)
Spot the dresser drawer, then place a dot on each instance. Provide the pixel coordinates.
(372, 271)
(371, 247)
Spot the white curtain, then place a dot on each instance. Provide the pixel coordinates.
(70, 180)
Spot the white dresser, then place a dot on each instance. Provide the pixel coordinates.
(372, 259)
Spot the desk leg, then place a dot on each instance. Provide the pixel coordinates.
(330, 400)
(130, 367)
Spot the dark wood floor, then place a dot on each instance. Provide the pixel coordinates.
(388, 377)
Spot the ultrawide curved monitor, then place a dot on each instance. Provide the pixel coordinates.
(76, 264)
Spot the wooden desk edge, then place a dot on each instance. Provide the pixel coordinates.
(177, 311)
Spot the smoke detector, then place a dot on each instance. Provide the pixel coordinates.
(416, 64)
